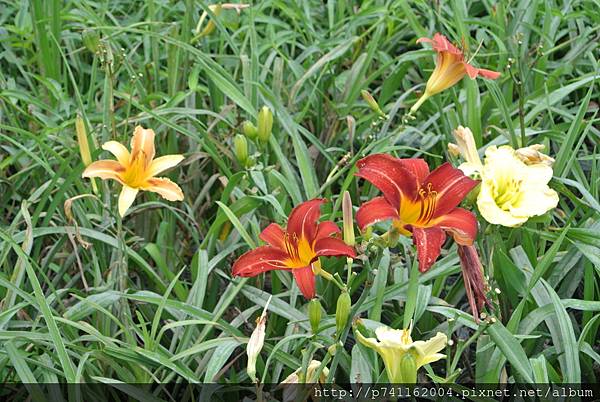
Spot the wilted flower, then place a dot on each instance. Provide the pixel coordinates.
(297, 248)
(298, 377)
(137, 170)
(450, 67)
(401, 355)
(420, 204)
(531, 155)
(476, 286)
(256, 342)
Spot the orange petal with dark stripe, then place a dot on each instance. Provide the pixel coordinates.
(259, 260)
(303, 219)
(305, 279)
(376, 210)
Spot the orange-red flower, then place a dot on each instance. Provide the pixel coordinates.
(296, 248)
(450, 67)
(419, 203)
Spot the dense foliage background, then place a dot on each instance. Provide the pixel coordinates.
(151, 299)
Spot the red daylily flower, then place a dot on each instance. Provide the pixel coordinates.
(450, 68)
(296, 248)
(419, 203)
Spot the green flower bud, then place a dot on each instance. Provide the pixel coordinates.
(408, 369)
(240, 145)
(250, 130)
(91, 40)
(265, 124)
(342, 311)
(372, 103)
(314, 314)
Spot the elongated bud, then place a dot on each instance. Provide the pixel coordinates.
(265, 124)
(372, 103)
(347, 218)
(408, 369)
(250, 130)
(256, 342)
(314, 314)
(453, 149)
(240, 145)
(342, 312)
(210, 26)
(91, 40)
(82, 140)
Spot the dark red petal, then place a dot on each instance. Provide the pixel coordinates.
(475, 284)
(326, 229)
(305, 278)
(373, 211)
(330, 246)
(417, 167)
(462, 224)
(303, 219)
(259, 260)
(389, 175)
(273, 235)
(451, 185)
(429, 243)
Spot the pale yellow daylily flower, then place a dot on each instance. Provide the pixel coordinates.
(137, 170)
(512, 191)
(401, 355)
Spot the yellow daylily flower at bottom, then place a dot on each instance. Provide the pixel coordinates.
(137, 170)
(512, 191)
(401, 355)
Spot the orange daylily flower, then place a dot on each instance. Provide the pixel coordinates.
(137, 170)
(296, 248)
(450, 67)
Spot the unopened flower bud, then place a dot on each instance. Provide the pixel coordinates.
(342, 311)
(265, 124)
(250, 130)
(453, 149)
(240, 145)
(91, 40)
(82, 140)
(314, 314)
(372, 103)
(347, 219)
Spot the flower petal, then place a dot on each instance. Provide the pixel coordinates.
(163, 163)
(429, 243)
(473, 72)
(273, 235)
(441, 44)
(303, 219)
(259, 260)
(535, 201)
(165, 188)
(118, 150)
(105, 169)
(451, 185)
(326, 229)
(417, 166)
(373, 211)
(330, 246)
(142, 141)
(305, 279)
(126, 198)
(491, 212)
(390, 176)
(462, 224)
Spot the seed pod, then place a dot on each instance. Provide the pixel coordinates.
(265, 124)
(342, 312)
(240, 145)
(314, 314)
(250, 130)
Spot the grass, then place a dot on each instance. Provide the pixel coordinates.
(87, 296)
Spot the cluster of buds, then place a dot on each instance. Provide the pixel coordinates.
(259, 133)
